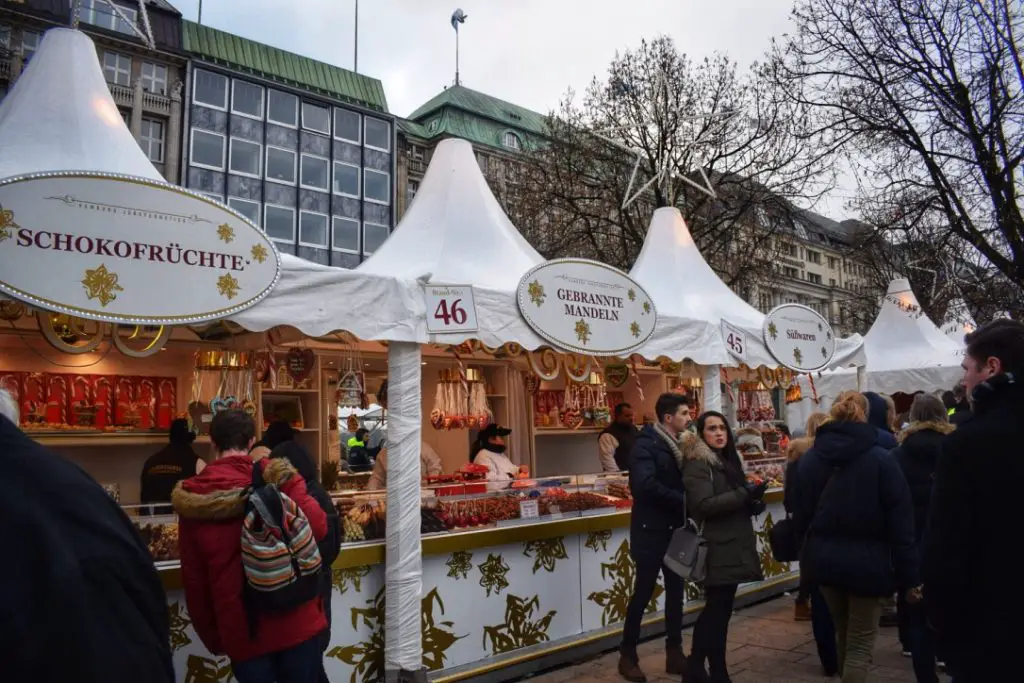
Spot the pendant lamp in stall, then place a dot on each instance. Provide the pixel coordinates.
(60, 116)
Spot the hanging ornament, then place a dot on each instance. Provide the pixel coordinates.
(549, 364)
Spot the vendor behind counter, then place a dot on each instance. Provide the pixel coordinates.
(165, 468)
(430, 461)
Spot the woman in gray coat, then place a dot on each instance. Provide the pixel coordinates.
(721, 502)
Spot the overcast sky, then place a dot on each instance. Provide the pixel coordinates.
(524, 51)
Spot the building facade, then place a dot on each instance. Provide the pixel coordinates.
(146, 84)
(304, 149)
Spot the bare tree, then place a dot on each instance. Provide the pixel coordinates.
(925, 98)
(658, 119)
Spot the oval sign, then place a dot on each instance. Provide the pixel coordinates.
(129, 250)
(586, 307)
(799, 338)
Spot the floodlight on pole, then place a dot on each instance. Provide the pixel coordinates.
(458, 17)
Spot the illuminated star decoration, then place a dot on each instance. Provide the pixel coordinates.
(225, 233)
(659, 112)
(935, 275)
(100, 284)
(227, 285)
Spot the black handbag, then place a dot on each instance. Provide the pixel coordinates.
(687, 553)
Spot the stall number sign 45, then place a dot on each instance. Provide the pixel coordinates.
(450, 308)
(735, 341)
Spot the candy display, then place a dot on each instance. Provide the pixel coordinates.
(161, 539)
(755, 404)
(460, 401)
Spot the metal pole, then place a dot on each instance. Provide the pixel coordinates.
(355, 60)
(456, 56)
(200, 20)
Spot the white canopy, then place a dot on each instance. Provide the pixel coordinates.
(692, 301)
(456, 233)
(959, 321)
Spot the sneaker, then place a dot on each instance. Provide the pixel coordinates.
(801, 611)
(630, 669)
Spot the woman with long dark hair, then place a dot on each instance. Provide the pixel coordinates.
(721, 502)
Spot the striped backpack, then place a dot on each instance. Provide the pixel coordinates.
(279, 553)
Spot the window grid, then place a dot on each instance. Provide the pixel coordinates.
(117, 68)
(192, 155)
(154, 78)
(208, 79)
(338, 190)
(151, 139)
(247, 207)
(369, 224)
(369, 172)
(99, 13)
(322, 220)
(282, 97)
(375, 132)
(294, 164)
(354, 225)
(279, 210)
(309, 108)
(252, 87)
(302, 172)
(339, 116)
(242, 144)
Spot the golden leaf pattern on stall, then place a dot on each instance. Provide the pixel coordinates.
(342, 578)
(258, 253)
(769, 565)
(179, 623)
(615, 600)
(598, 540)
(227, 286)
(459, 564)
(520, 629)
(208, 670)
(100, 284)
(548, 551)
(437, 635)
(7, 224)
(367, 658)
(493, 573)
(226, 233)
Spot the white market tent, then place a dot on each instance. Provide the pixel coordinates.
(959, 322)
(905, 352)
(692, 301)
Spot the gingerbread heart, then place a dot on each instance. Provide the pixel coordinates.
(299, 363)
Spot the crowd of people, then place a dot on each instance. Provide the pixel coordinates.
(918, 506)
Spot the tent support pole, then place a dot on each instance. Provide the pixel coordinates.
(712, 388)
(862, 378)
(403, 575)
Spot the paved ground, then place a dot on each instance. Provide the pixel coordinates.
(765, 645)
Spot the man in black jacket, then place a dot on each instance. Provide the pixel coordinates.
(970, 553)
(659, 508)
(80, 599)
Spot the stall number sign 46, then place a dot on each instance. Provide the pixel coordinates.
(450, 308)
(735, 341)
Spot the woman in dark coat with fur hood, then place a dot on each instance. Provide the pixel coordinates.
(918, 456)
(721, 502)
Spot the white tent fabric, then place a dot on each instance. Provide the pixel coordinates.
(456, 233)
(959, 322)
(60, 116)
(692, 301)
(905, 351)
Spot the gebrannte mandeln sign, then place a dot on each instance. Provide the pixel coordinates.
(799, 338)
(129, 250)
(586, 307)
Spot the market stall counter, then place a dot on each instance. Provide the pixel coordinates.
(509, 576)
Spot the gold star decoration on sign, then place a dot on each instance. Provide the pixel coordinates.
(227, 285)
(100, 284)
(258, 253)
(582, 331)
(773, 331)
(647, 307)
(634, 328)
(536, 292)
(225, 232)
(632, 295)
(7, 223)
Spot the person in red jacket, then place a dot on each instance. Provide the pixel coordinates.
(273, 648)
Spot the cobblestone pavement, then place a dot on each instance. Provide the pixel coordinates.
(765, 645)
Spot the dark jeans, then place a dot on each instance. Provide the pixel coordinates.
(922, 643)
(648, 550)
(712, 629)
(903, 621)
(300, 664)
(824, 631)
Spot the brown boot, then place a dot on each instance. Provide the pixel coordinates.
(801, 611)
(675, 660)
(630, 669)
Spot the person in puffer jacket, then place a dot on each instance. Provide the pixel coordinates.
(879, 418)
(918, 457)
(854, 509)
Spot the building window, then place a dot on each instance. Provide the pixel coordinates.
(813, 256)
(376, 186)
(789, 271)
(151, 139)
(831, 282)
(154, 78)
(207, 149)
(29, 44)
(832, 262)
(345, 235)
(377, 134)
(314, 174)
(765, 299)
(374, 235)
(210, 195)
(99, 13)
(246, 99)
(313, 229)
(512, 141)
(789, 249)
(483, 162)
(117, 68)
(283, 108)
(346, 179)
(245, 157)
(410, 191)
(279, 223)
(316, 118)
(247, 207)
(281, 165)
(346, 125)
(210, 89)
(814, 278)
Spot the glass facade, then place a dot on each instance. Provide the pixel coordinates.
(316, 176)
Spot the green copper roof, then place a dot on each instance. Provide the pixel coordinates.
(482, 119)
(226, 49)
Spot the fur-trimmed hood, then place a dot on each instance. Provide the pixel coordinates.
(798, 447)
(694, 448)
(221, 491)
(931, 426)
